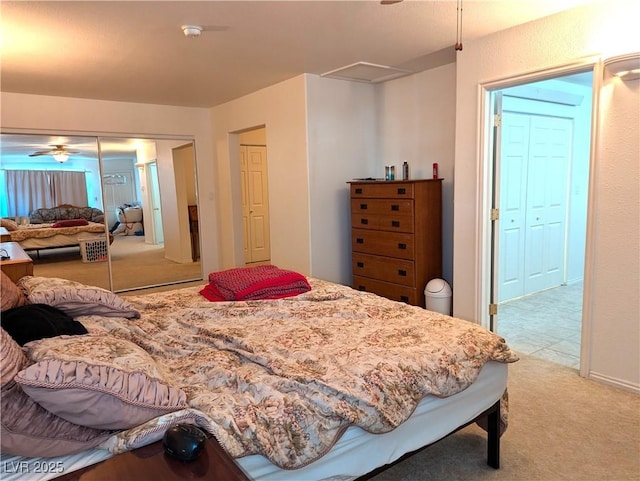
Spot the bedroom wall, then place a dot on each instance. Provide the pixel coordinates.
(342, 146)
(417, 124)
(615, 329)
(33, 113)
(319, 135)
(597, 30)
(281, 110)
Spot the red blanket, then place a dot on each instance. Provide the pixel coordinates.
(260, 282)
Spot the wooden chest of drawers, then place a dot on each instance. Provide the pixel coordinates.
(396, 237)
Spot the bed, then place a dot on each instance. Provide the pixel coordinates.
(301, 387)
(54, 235)
(61, 226)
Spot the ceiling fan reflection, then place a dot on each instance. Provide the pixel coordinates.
(59, 152)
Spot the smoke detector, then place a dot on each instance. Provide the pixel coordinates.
(191, 31)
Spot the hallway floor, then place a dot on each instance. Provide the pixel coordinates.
(545, 325)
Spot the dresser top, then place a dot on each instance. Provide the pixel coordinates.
(382, 181)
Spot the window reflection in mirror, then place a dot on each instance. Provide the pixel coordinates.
(51, 189)
(145, 189)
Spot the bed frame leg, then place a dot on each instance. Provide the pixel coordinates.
(493, 436)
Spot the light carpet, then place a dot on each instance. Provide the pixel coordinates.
(134, 264)
(561, 427)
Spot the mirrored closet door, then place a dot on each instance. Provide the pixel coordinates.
(138, 196)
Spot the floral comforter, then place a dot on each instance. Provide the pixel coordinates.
(42, 231)
(285, 378)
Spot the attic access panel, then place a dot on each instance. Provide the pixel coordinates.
(366, 72)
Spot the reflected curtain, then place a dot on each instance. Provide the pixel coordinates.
(69, 188)
(27, 190)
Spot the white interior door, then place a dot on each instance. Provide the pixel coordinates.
(547, 194)
(513, 198)
(255, 203)
(534, 182)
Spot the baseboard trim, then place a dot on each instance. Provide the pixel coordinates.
(620, 383)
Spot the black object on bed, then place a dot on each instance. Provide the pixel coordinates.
(184, 441)
(38, 321)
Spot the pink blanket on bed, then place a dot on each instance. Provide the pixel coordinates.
(260, 282)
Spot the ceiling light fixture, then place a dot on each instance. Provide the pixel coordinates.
(61, 157)
(627, 67)
(191, 31)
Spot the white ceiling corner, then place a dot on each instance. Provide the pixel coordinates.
(366, 72)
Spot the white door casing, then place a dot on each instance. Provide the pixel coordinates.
(153, 185)
(244, 190)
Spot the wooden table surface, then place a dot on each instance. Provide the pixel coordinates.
(17, 254)
(19, 263)
(150, 463)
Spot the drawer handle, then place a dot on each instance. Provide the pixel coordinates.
(395, 207)
(360, 240)
(395, 223)
(363, 206)
(402, 190)
(404, 299)
(362, 288)
(360, 264)
(364, 221)
(402, 245)
(358, 191)
(402, 273)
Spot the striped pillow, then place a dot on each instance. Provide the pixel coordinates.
(76, 299)
(10, 295)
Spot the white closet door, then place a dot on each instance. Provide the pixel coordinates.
(536, 152)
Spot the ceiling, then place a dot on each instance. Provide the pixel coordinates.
(137, 52)
(15, 149)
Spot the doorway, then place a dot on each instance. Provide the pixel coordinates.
(255, 197)
(541, 172)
